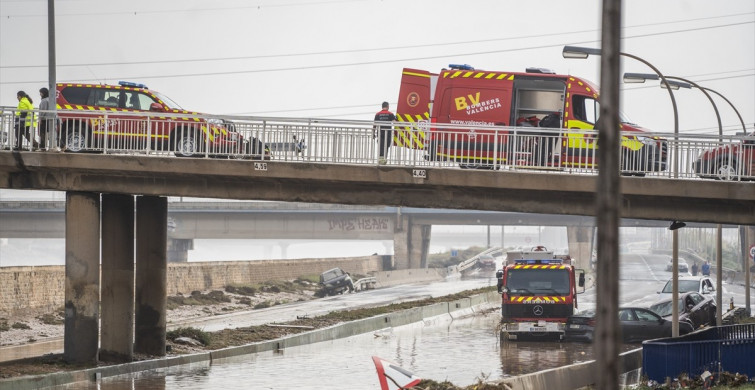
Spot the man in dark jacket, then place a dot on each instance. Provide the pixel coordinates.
(385, 131)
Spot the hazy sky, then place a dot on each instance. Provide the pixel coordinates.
(340, 59)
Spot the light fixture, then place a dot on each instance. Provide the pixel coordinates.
(676, 85)
(676, 225)
(639, 77)
(579, 52)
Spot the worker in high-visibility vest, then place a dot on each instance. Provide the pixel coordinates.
(25, 120)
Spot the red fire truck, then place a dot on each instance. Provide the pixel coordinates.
(535, 118)
(539, 291)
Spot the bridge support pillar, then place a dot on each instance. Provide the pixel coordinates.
(411, 243)
(580, 245)
(117, 294)
(178, 249)
(151, 274)
(82, 269)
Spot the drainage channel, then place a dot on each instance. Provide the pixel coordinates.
(461, 350)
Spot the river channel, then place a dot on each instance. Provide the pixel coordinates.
(460, 351)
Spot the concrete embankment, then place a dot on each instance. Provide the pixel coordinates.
(457, 308)
(37, 290)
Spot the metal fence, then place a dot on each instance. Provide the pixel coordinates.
(568, 151)
(723, 348)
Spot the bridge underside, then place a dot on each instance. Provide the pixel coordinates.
(705, 201)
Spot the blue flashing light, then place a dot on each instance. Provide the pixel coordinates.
(461, 67)
(130, 84)
(544, 261)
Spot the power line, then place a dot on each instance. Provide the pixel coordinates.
(341, 65)
(388, 48)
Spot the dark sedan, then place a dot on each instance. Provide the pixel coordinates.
(693, 307)
(637, 324)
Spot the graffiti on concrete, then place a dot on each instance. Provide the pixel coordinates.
(359, 224)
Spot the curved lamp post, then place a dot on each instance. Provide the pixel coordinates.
(582, 53)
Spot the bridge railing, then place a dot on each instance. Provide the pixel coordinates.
(570, 151)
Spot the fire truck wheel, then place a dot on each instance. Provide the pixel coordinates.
(187, 145)
(75, 139)
(726, 168)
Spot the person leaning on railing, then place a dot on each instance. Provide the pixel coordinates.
(25, 120)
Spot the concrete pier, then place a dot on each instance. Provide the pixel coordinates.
(82, 294)
(151, 274)
(117, 334)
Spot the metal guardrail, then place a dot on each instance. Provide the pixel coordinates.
(717, 349)
(469, 263)
(567, 151)
(367, 283)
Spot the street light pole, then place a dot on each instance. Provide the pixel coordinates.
(634, 77)
(580, 52)
(719, 259)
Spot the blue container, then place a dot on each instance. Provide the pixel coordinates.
(724, 348)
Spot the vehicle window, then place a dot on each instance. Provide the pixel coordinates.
(645, 315)
(77, 95)
(664, 308)
(686, 286)
(167, 101)
(626, 315)
(585, 108)
(537, 282)
(106, 97)
(138, 101)
(696, 298)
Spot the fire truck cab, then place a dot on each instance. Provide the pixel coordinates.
(539, 292)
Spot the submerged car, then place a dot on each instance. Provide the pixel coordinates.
(693, 307)
(637, 324)
(701, 284)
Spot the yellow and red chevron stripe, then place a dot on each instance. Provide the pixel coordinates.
(478, 75)
(539, 266)
(411, 136)
(538, 299)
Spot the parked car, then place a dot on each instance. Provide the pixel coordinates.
(728, 162)
(335, 281)
(682, 266)
(693, 307)
(701, 284)
(637, 324)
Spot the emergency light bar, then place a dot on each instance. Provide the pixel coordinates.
(461, 67)
(547, 261)
(130, 84)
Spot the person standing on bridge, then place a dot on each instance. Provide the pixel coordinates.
(45, 118)
(24, 120)
(385, 131)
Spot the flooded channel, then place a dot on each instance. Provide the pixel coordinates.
(460, 351)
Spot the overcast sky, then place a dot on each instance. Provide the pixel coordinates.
(340, 59)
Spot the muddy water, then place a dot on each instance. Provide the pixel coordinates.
(461, 351)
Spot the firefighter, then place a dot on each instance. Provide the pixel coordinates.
(24, 120)
(385, 131)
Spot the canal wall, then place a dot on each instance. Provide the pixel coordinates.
(36, 290)
(457, 308)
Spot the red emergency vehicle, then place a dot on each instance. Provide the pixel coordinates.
(539, 292)
(495, 102)
(131, 116)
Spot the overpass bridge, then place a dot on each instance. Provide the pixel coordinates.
(190, 220)
(339, 166)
